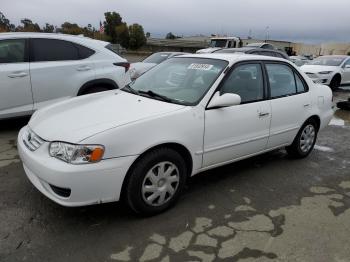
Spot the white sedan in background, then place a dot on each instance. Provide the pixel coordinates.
(38, 69)
(332, 70)
(137, 69)
(188, 114)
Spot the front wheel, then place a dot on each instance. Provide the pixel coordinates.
(156, 181)
(305, 140)
(335, 82)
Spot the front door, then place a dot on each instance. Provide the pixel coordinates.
(346, 72)
(15, 88)
(242, 130)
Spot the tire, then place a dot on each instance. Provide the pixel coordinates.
(335, 82)
(305, 140)
(95, 89)
(344, 105)
(150, 191)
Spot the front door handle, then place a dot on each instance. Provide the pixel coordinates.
(263, 114)
(17, 75)
(306, 105)
(84, 68)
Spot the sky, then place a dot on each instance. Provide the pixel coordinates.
(308, 21)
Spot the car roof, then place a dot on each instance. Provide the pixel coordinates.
(248, 49)
(74, 38)
(335, 56)
(234, 57)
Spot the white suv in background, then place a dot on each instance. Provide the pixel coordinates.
(38, 69)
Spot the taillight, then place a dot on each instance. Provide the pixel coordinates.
(126, 65)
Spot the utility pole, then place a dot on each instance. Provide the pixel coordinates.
(267, 33)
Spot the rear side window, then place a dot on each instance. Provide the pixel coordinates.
(13, 51)
(57, 50)
(84, 52)
(283, 81)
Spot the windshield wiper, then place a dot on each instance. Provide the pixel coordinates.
(129, 89)
(159, 96)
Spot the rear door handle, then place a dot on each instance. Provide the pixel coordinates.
(17, 75)
(84, 68)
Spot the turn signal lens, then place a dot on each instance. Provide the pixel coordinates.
(96, 154)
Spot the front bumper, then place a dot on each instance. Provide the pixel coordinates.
(87, 184)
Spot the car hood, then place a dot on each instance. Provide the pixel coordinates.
(82, 117)
(137, 69)
(317, 68)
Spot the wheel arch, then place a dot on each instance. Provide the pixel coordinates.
(181, 149)
(316, 118)
(103, 82)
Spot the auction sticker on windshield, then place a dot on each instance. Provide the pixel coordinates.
(200, 66)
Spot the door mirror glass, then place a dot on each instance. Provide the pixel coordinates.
(347, 66)
(225, 100)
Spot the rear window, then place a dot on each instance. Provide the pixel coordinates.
(157, 58)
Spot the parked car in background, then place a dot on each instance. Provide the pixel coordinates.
(254, 51)
(332, 70)
(188, 114)
(299, 60)
(38, 69)
(262, 45)
(217, 43)
(137, 69)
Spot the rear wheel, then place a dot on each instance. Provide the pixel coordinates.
(156, 181)
(335, 82)
(305, 140)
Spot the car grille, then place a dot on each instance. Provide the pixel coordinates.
(31, 140)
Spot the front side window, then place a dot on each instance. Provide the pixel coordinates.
(53, 50)
(246, 81)
(281, 79)
(183, 80)
(12, 51)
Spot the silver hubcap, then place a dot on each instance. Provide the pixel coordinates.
(160, 183)
(307, 138)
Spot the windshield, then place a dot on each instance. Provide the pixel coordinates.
(182, 80)
(327, 61)
(157, 58)
(218, 43)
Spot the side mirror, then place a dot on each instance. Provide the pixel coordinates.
(224, 100)
(347, 66)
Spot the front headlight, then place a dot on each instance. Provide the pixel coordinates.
(76, 154)
(325, 72)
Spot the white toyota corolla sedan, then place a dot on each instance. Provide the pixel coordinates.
(186, 115)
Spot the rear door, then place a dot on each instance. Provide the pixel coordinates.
(58, 69)
(290, 103)
(15, 89)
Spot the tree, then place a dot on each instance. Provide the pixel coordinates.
(137, 36)
(123, 36)
(28, 26)
(48, 28)
(170, 35)
(5, 25)
(71, 29)
(148, 35)
(113, 20)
